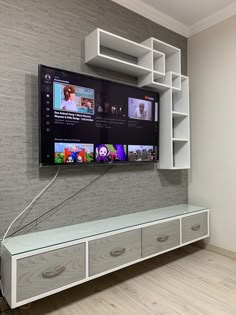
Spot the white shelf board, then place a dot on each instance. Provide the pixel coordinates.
(157, 54)
(180, 167)
(179, 114)
(122, 45)
(174, 89)
(175, 75)
(158, 74)
(165, 48)
(118, 65)
(180, 139)
(159, 86)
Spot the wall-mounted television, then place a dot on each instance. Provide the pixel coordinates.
(88, 120)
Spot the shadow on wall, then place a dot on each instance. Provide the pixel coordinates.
(32, 125)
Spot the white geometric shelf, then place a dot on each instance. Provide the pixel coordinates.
(99, 39)
(172, 54)
(156, 65)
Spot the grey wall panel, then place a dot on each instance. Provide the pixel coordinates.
(52, 33)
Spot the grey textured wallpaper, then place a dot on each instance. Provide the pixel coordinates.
(52, 32)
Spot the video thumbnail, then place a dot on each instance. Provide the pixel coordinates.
(76, 153)
(73, 98)
(139, 109)
(141, 153)
(108, 108)
(109, 153)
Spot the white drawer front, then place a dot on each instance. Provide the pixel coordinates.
(113, 251)
(194, 227)
(159, 237)
(48, 271)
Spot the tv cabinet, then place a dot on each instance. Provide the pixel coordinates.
(157, 66)
(39, 264)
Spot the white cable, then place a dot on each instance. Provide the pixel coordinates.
(32, 202)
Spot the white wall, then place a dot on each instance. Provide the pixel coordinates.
(212, 179)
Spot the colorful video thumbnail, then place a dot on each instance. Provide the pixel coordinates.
(73, 98)
(139, 109)
(141, 153)
(76, 153)
(109, 153)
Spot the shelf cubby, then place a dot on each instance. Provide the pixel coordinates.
(181, 154)
(121, 44)
(180, 125)
(111, 51)
(175, 81)
(180, 99)
(172, 54)
(159, 62)
(165, 130)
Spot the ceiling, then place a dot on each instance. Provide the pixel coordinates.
(186, 17)
(187, 11)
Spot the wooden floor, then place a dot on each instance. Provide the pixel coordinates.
(186, 281)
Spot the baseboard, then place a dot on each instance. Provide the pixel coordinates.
(216, 249)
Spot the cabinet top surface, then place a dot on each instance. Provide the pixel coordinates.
(37, 240)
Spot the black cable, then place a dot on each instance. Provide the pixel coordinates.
(64, 201)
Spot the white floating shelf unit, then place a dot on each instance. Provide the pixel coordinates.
(99, 39)
(157, 66)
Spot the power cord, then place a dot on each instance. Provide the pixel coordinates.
(3, 305)
(31, 204)
(64, 202)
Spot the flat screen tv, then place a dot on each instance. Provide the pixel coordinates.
(88, 120)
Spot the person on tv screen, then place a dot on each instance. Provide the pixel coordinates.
(141, 112)
(69, 102)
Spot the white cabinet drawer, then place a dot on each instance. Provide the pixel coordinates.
(159, 237)
(194, 227)
(113, 251)
(48, 271)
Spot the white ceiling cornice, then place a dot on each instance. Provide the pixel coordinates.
(213, 19)
(155, 15)
(172, 24)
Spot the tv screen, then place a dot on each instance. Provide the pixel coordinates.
(87, 120)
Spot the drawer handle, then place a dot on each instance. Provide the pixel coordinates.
(195, 227)
(163, 239)
(53, 272)
(117, 252)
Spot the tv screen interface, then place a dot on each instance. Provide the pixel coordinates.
(90, 120)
